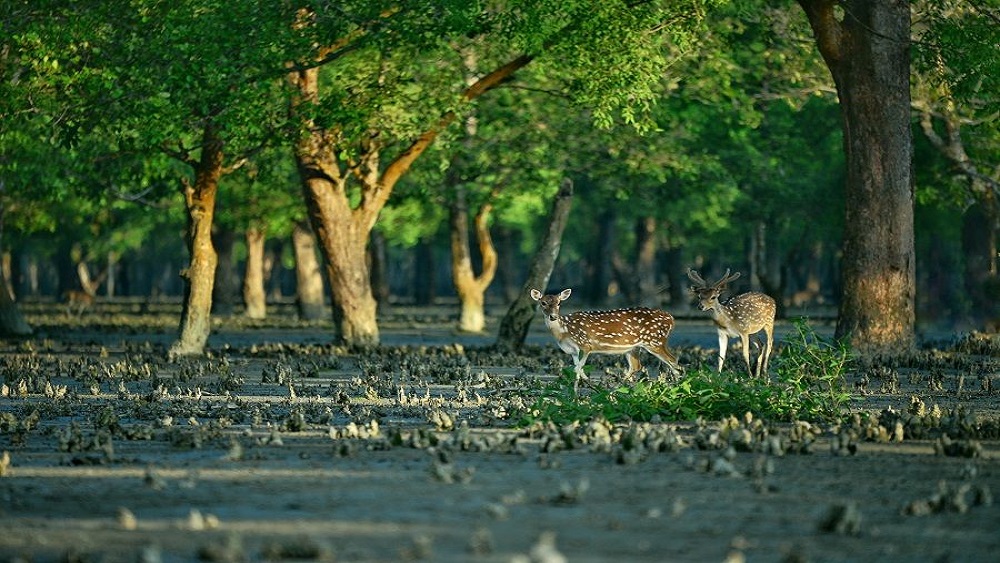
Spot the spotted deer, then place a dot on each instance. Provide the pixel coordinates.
(620, 331)
(740, 315)
(77, 301)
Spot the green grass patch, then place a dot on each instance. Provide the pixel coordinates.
(806, 383)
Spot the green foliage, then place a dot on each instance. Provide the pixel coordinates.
(610, 55)
(813, 364)
(956, 45)
(807, 383)
(265, 193)
(411, 220)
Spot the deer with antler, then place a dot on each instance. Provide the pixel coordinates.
(740, 315)
(620, 331)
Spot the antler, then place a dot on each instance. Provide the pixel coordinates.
(726, 278)
(696, 278)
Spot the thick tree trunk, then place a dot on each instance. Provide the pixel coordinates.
(254, 296)
(308, 276)
(470, 287)
(865, 43)
(341, 227)
(342, 230)
(344, 245)
(379, 270)
(515, 324)
(199, 276)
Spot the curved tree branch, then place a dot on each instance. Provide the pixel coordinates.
(827, 29)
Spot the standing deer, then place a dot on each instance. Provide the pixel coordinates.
(620, 331)
(741, 315)
(77, 301)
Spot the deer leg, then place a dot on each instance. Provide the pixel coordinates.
(579, 359)
(665, 356)
(745, 339)
(634, 364)
(770, 345)
(723, 344)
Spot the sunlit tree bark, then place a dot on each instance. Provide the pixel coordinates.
(308, 275)
(254, 296)
(199, 276)
(866, 45)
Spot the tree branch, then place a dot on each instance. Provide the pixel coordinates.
(402, 162)
(954, 150)
(828, 31)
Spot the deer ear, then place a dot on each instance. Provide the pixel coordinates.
(535, 294)
(565, 294)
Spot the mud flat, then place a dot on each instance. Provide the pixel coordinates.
(279, 447)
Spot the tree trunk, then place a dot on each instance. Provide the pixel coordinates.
(676, 279)
(379, 270)
(12, 322)
(601, 254)
(980, 220)
(979, 230)
(254, 296)
(867, 51)
(766, 269)
(274, 270)
(645, 262)
(344, 245)
(343, 229)
(199, 276)
(515, 324)
(308, 277)
(470, 287)
(111, 275)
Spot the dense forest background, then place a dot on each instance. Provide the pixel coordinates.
(718, 145)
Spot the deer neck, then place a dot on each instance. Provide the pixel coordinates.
(723, 320)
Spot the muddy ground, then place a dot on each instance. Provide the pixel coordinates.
(278, 446)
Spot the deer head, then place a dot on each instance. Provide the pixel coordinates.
(708, 294)
(550, 303)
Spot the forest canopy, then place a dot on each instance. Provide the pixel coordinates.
(213, 152)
